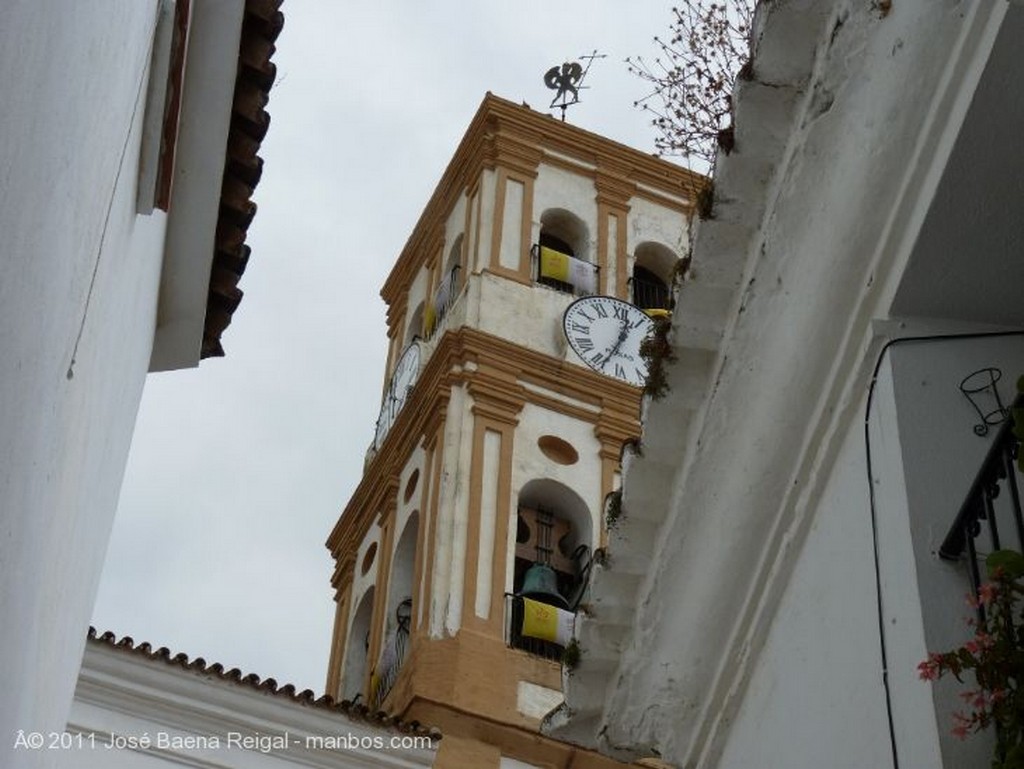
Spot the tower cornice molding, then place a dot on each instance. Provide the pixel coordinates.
(494, 371)
(515, 136)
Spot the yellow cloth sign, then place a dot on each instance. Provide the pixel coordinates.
(548, 623)
(554, 264)
(568, 269)
(429, 320)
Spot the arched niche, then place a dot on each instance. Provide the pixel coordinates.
(357, 647)
(546, 504)
(415, 327)
(403, 563)
(651, 281)
(563, 231)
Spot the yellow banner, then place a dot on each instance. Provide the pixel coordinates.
(554, 264)
(548, 623)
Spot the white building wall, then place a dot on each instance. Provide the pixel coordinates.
(78, 284)
(819, 671)
(940, 457)
(649, 221)
(557, 188)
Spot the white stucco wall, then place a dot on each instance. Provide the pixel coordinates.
(813, 218)
(940, 456)
(815, 697)
(449, 532)
(78, 281)
(557, 188)
(649, 221)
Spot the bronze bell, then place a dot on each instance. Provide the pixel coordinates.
(541, 584)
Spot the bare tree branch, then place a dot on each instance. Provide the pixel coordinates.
(693, 76)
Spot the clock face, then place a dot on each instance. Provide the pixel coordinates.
(406, 371)
(606, 333)
(402, 380)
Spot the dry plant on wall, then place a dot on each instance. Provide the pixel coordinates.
(692, 77)
(657, 352)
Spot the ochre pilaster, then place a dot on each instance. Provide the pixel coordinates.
(614, 191)
(497, 401)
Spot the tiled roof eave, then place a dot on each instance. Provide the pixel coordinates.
(262, 23)
(269, 686)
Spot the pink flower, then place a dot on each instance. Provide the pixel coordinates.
(962, 727)
(987, 593)
(929, 669)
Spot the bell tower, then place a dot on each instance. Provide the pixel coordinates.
(466, 549)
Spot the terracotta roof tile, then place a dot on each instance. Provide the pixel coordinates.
(268, 685)
(261, 25)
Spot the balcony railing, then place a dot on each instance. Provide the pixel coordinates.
(444, 298)
(514, 610)
(563, 272)
(990, 517)
(514, 637)
(392, 656)
(650, 294)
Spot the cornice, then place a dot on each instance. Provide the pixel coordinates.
(516, 137)
(494, 379)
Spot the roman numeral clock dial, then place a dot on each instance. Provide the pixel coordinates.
(606, 333)
(402, 380)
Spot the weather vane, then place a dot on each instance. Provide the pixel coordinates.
(567, 81)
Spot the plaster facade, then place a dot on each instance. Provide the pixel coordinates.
(100, 281)
(761, 631)
(503, 417)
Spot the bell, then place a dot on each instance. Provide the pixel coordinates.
(541, 584)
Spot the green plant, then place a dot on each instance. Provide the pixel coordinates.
(706, 201)
(681, 268)
(657, 353)
(571, 655)
(613, 509)
(995, 657)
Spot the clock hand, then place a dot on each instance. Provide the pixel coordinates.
(623, 333)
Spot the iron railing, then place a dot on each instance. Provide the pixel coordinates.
(444, 297)
(392, 657)
(648, 294)
(586, 275)
(514, 637)
(989, 519)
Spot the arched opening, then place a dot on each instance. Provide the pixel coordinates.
(552, 557)
(357, 648)
(562, 255)
(449, 284)
(399, 613)
(651, 281)
(416, 326)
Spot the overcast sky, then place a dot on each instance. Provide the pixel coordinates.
(240, 468)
